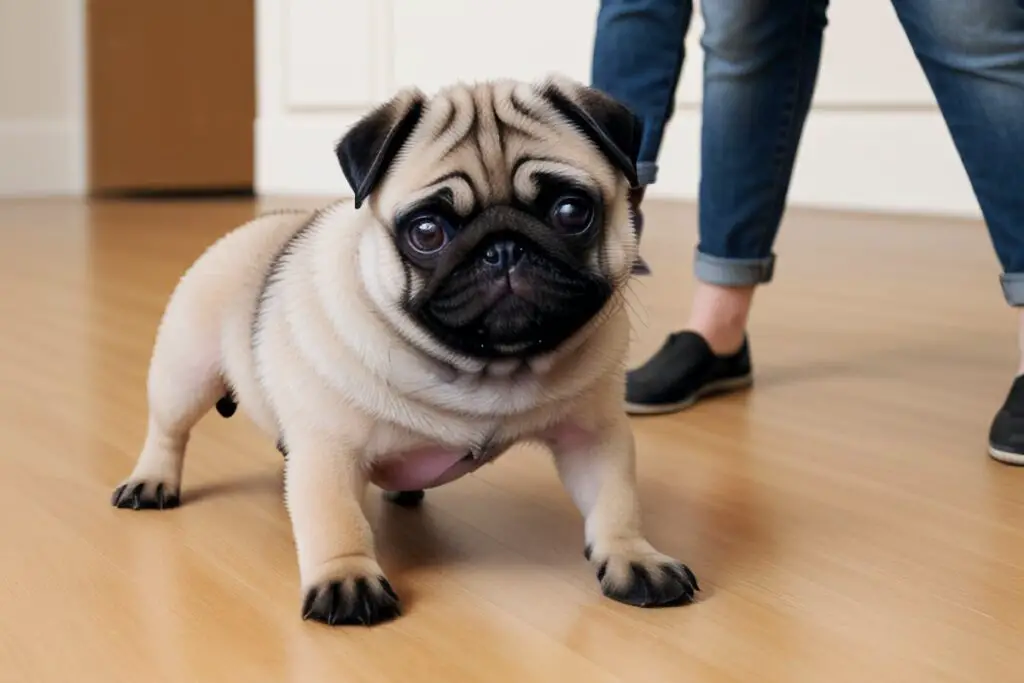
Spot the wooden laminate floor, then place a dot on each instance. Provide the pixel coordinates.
(843, 517)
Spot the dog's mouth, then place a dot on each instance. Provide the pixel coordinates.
(528, 311)
(512, 325)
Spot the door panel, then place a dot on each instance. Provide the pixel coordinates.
(171, 95)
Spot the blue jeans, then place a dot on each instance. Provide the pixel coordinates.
(760, 67)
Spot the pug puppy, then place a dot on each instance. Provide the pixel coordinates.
(468, 298)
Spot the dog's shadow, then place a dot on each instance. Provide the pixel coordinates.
(521, 529)
(255, 484)
(712, 536)
(441, 530)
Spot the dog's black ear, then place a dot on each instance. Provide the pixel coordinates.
(368, 148)
(612, 126)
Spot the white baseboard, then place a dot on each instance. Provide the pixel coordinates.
(42, 158)
(884, 161)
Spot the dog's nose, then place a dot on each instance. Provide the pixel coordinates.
(503, 255)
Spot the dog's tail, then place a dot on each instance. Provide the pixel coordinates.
(227, 405)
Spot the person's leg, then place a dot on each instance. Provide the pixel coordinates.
(760, 68)
(973, 56)
(638, 55)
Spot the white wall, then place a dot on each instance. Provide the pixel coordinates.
(42, 97)
(874, 141)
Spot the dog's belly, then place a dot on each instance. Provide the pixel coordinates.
(432, 466)
(423, 468)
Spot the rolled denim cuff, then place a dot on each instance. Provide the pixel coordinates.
(732, 272)
(1013, 288)
(646, 173)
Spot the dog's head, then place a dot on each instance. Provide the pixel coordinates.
(505, 209)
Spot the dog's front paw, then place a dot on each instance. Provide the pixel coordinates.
(642, 577)
(146, 494)
(353, 591)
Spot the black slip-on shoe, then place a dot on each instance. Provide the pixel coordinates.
(1006, 435)
(683, 371)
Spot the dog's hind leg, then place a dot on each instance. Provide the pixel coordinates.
(185, 382)
(405, 499)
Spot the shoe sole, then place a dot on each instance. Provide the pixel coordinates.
(1006, 457)
(718, 387)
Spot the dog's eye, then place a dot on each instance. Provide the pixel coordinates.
(572, 214)
(428, 234)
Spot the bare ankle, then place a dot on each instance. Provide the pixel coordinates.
(720, 314)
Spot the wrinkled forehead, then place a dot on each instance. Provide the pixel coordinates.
(489, 144)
